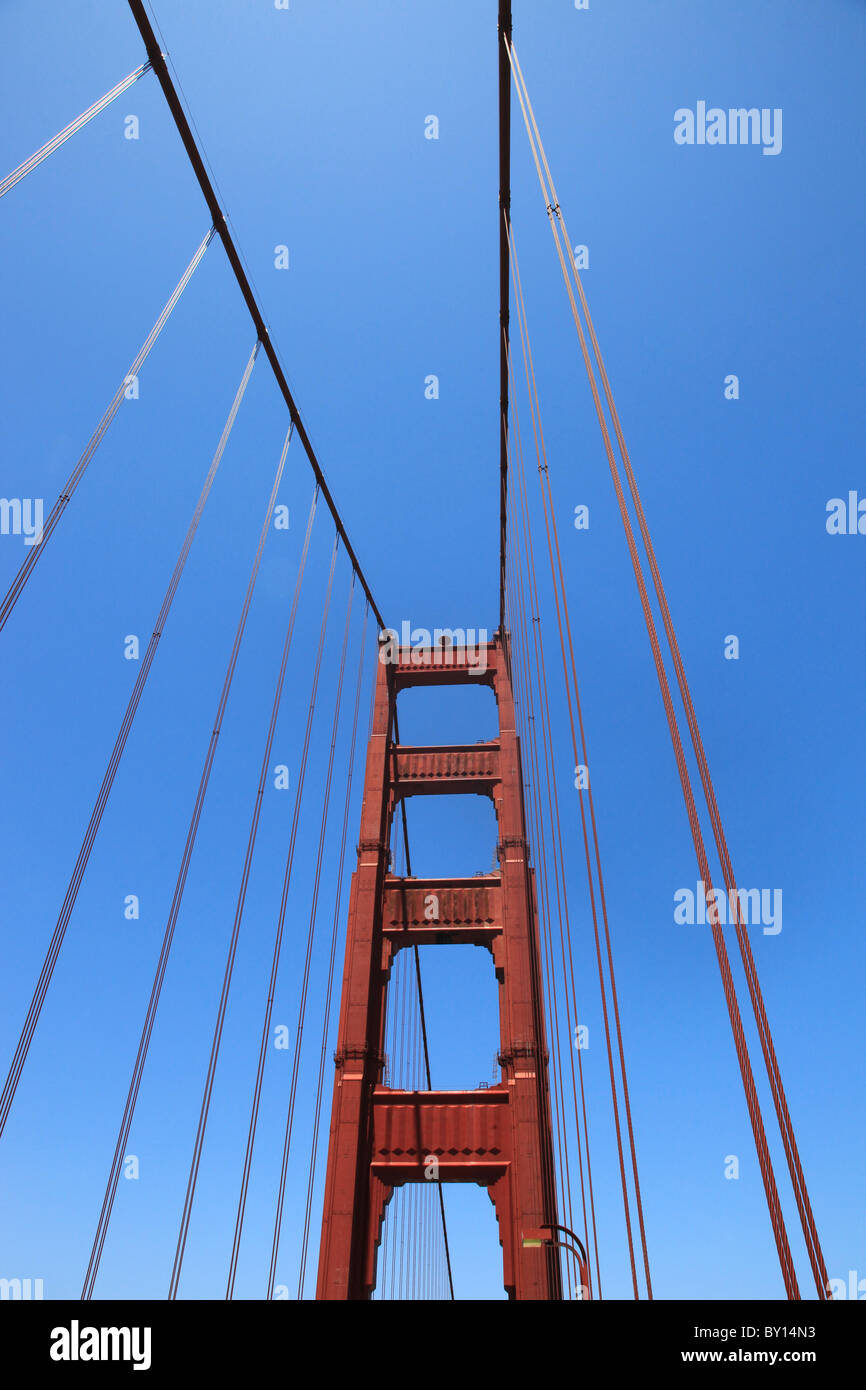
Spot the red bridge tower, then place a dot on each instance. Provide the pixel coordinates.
(499, 1138)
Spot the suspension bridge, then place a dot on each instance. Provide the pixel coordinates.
(369, 1149)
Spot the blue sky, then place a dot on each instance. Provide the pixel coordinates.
(704, 261)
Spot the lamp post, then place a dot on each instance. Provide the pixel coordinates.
(545, 1235)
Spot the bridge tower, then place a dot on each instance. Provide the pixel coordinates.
(498, 1137)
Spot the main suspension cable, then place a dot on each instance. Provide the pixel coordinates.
(221, 222)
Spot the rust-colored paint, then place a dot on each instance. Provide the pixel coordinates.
(498, 1137)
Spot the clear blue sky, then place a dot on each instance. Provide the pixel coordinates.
(703, 262)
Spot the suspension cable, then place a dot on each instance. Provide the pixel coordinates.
(114, 762)
(227, 980)
(553, 801)
(535, 806)
(269, 738)
(305, 979)
(221, 222)
(74, 126)
(753, 1104)
(329, 987)
(774, 1075)
(428, 1075)
(180, 885)
(564, 622)
(504, 39)
(78, 471)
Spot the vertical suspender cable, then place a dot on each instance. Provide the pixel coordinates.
(544, 711)
(74, 126)
(226, 987)
(177, 899)
(329, 988)
(524, 701)
(114, 762)
(765, 1162)
(773, 1072)
(504, 37)
(428, 1074)
(78, 471)
(582, 757)
(305, 979)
